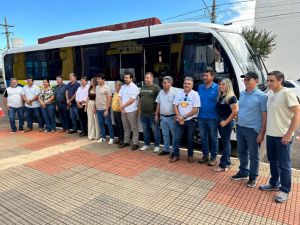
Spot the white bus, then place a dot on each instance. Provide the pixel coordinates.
(175, 49)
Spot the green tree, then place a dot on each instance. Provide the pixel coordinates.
(262, 41)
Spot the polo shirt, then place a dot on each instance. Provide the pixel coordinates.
(251, 106)
(165, 101)
(14, 96)
(60, 93)
(209, 98)
(30, 93)
(129, 91)
(72, 88)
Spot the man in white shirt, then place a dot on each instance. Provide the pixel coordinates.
(81, 101)
(165, 113)
(30, 94)
(128, 97)
(283, 108)
(12, 99)
(186, 107)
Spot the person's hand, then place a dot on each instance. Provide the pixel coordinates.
(223, 123)
(123, 111)
(260, 138)
(156, 118)
(286, 139)
(56, 108)
(43, 105)
(85, 108)
(105, 113)
(69, 102)
(7, 107)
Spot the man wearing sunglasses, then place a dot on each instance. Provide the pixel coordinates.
(251, 129)
(186, 107)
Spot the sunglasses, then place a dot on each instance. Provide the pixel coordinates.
(186, 95)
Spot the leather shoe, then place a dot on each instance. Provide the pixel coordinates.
(174, 159)
(123, 145)
(82, 134)
(190, 159)
(72, 132)
(134, 147)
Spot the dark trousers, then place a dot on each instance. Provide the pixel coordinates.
(280, 163)
(188, 127)
(83, 119)
(119, 125)
(30, 112)
(63, 114)
(225, 133)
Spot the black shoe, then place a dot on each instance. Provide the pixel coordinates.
(134, 147)
(82, 134)
(172, 155)
(251, 183)
(239, 176)
(123, 145)
(163, 153)
(72, 132)
(203, 160)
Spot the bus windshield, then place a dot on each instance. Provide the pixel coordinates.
(244, 55)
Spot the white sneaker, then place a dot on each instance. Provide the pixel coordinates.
(101, 140)
(156, 149)
(144, 148)
(111, 141)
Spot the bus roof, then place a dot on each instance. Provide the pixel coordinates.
(122, 35)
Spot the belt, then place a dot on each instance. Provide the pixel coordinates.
(167, 115)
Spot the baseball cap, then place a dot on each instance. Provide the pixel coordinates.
(250, 74)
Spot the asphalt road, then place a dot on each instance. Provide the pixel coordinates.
(295, 154)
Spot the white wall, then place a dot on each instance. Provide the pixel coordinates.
(286, 56)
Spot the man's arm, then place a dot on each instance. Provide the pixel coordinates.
(157, 112)
(262, 131)
(293, 126)
(193, 112)
(108, 99)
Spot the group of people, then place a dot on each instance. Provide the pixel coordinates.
(175, 111)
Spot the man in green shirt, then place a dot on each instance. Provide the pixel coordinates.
(147, 107)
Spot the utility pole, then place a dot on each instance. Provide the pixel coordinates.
(7, 33)
(213, 12)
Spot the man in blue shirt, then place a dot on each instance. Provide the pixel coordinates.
(207, 118)
(72, 87)
(251, 128)
(61, 103)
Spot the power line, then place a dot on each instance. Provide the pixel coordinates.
(264, 17)
(7, 33)
(197, 10)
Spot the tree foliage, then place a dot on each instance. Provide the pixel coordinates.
(262, 41)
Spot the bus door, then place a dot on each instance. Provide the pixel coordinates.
(157, 59)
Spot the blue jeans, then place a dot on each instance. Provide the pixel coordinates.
(208, 129)
(12, 117)
(30, 112)
(63, 114)
(188, 127)
(248, 148)
(105, 120)
(167, 125)
(74, 117)
(49, 116)
(225, 133)
(280, 163)
(147, 123)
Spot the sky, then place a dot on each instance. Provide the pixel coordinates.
(33, 19)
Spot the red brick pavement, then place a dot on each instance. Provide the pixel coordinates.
(226, 192)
